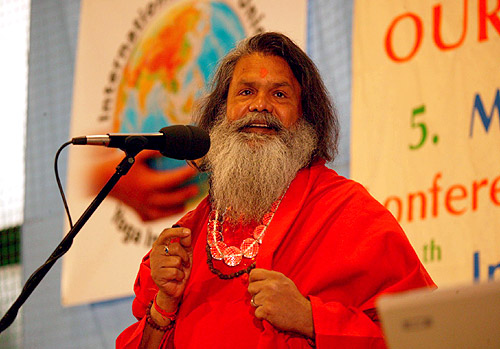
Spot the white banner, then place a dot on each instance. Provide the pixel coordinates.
(426, 127)
(140, 67)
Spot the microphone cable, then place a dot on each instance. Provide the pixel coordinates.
(59, 185)
(38, 274)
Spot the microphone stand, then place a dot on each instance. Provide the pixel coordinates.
(132, 147)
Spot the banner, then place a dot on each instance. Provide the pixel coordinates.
(426, 127)
(141, 65)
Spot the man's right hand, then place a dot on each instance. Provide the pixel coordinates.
(171, 271)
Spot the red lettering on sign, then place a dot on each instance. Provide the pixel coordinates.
(455, 193)
(437, 28)
(435, 189)
(455, 199)
(495, 191)
(476, 185)
(423, 204)
(398, 213)
(484, 16)
(418, 37)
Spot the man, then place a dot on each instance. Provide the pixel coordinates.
(284, 252)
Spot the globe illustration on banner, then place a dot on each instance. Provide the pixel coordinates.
(170, 66)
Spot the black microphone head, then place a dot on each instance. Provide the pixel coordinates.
(185, 142)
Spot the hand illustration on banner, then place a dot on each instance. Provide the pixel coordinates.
(153, 194)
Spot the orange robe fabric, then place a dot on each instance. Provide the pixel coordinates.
(339, 246)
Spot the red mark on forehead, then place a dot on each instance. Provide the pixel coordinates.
(263, 72)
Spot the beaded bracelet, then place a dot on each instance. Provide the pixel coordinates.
(165, 315)
(152, 323)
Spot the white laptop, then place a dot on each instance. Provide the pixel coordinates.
(465, 317)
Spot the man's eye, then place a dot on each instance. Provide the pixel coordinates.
(280, 94)
(245, 92)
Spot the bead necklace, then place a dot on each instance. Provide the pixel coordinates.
(249, 248)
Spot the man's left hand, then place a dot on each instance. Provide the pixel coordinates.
(278, 301)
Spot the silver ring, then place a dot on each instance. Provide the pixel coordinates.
(166, 250)
(252, 302)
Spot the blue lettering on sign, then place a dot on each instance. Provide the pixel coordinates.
(492, 268)
(485, 118)
(476, 267)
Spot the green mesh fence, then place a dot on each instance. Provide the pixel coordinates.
(10, 242)
(10, 281)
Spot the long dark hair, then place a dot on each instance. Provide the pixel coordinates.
(317, 106)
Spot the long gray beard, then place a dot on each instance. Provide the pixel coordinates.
(250, 171)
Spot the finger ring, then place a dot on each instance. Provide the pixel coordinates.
(166, 250)
(252, 302)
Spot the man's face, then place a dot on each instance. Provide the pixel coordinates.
(263, 83)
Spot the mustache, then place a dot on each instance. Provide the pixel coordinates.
(252, 118)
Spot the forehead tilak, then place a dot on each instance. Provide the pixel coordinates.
(263, 72)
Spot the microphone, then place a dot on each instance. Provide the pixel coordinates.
(181, 142)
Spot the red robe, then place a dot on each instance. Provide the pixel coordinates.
(340, 247)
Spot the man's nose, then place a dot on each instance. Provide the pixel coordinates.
(261, 103)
